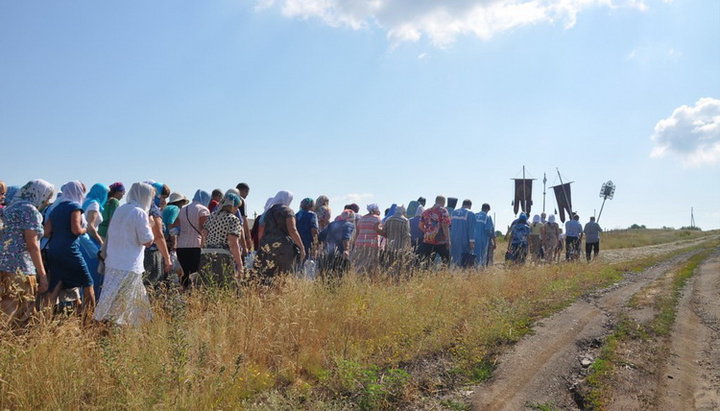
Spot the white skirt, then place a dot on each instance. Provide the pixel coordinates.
(124, 299)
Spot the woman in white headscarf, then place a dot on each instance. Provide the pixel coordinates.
(64, 227)
(535, 240)
(22, 273)
(124, 299)
(366, 252)
(550, 238)
(280, 246)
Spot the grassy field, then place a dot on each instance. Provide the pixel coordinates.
(379, 343)
(643, 237)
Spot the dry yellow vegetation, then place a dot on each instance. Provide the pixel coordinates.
(357, 342)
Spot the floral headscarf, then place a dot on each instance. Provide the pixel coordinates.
(35, 192)
(230, 199)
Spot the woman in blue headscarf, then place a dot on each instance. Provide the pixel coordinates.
(518, 244)
(91, 242)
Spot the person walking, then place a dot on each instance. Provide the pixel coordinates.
(22, 273)
(124, 299)
(117, 191)
(191, 221)
(221, 261)
(550, 238)
(435, 225)
(64, 226)
(519, 233)
(483, 241)
(366, 253)
(573, 238)
(462, 231)
(307, 225)
(592, 232)
(280, 246)
(534, 242)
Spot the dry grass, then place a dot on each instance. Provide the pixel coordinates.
(643, 237)
(307, 344)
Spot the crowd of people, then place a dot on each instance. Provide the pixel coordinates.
(88, 250)
(543, 240)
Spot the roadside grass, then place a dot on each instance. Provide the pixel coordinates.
(665, 302)
(650, 236)
(355, 343)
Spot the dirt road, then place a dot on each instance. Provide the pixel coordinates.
(691, 377)
(542, 368)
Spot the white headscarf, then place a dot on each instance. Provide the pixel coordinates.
(141, 195)
(73, 191)
(373, 208)
(282, 197)
(35, 192)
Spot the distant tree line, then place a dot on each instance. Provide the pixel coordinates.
(642, 227)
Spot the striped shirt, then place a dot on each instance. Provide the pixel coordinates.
(367, 235)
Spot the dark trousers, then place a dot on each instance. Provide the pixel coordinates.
(572, 248)
(189, 259)
(429, 251)
(592, 247)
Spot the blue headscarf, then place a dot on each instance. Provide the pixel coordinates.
(158, 192)
(98, 192)
(202, 197)
(230, 199)
(391, 212)
(170, 214)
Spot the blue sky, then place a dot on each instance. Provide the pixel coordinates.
(378, 101)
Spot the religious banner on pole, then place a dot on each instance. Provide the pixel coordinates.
(564, 200)
(523, 195)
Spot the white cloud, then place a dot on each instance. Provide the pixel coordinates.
(441, 21)
(351, 198)
(693, 133)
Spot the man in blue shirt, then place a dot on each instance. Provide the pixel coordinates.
(462, 221)
(483, 236)
(573, 237)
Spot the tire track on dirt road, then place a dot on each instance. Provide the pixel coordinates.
(691, 377)
(537, 370)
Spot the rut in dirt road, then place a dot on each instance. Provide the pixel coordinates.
(691, 377)
(537, 369)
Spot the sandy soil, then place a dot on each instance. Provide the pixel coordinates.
(544, 368)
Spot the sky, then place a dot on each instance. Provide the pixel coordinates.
(373, 101)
